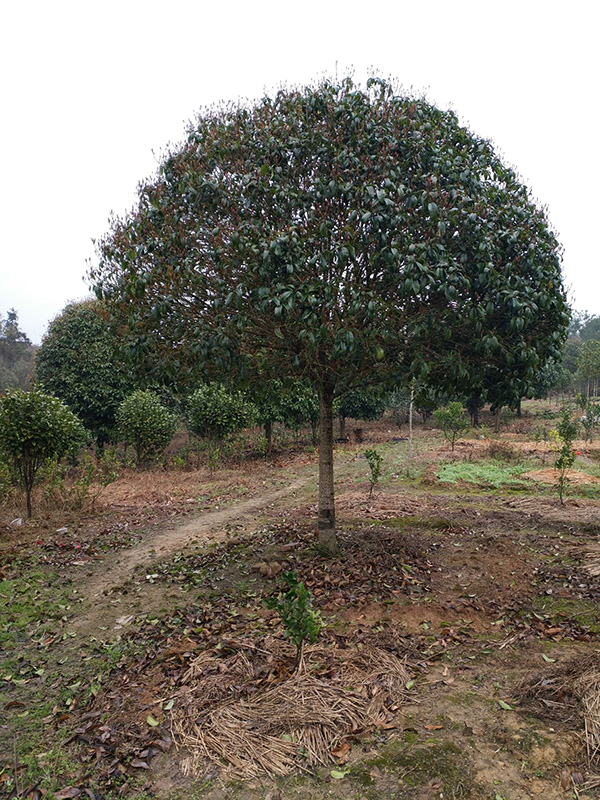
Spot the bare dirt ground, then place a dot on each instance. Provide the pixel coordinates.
(487, 597)
(207, 528)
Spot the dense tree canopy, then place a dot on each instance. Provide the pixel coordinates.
(78, 362)
(336, 234)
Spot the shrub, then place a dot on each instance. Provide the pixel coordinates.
(144, 423)
(35, 427)
(215, 413)
(452, 421)
(79, 487)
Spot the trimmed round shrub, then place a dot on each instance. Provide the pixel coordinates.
(214, 413)
(35, 427)
(144, 423)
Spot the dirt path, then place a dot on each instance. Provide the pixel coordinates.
(115, 577)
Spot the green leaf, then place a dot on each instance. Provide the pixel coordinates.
(505, 706)
(151, 721)
(337, 775)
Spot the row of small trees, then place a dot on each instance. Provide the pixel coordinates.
(36, 427)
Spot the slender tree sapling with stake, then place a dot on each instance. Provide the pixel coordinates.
(562, 439)
(374, 459)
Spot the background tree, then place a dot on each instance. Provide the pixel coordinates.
(570, 354)
(143, 422)
(585, 326)
(266, 398)
(35, 427)
(291, 403)
(576, 323)
(398, 404)
(78, 361)
(588, 365)
(16, 354)
(299, 406)
(337, 235)
(365, 403)
(214, 412)
(552, 377)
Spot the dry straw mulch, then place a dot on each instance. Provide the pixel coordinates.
(245, 711)
(570, 692)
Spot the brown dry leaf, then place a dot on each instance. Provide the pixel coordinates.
(565, 778)
(433, 727)
(67, 792)
(14, 704)
(341, 751)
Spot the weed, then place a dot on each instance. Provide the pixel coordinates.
(494, 475)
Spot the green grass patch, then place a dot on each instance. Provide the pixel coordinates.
(493, 475)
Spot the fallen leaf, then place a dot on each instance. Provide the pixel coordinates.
(337, 775)
(548, 659)
(14, 704)
(341, 751)
(433, 727)
(151, 721)
(505, 706)
(67, 792)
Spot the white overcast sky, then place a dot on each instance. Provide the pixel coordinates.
(93, 91)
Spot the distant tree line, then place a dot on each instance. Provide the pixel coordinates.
(16, 354)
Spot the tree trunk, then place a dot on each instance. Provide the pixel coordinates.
(342, 426)
(28, 500)
(314, 432)
(410, 428)
(326, 523)
(519, 409)
(269, 435)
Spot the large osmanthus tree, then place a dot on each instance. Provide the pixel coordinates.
(335, 234)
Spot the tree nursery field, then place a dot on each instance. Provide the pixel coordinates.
(457, 655)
